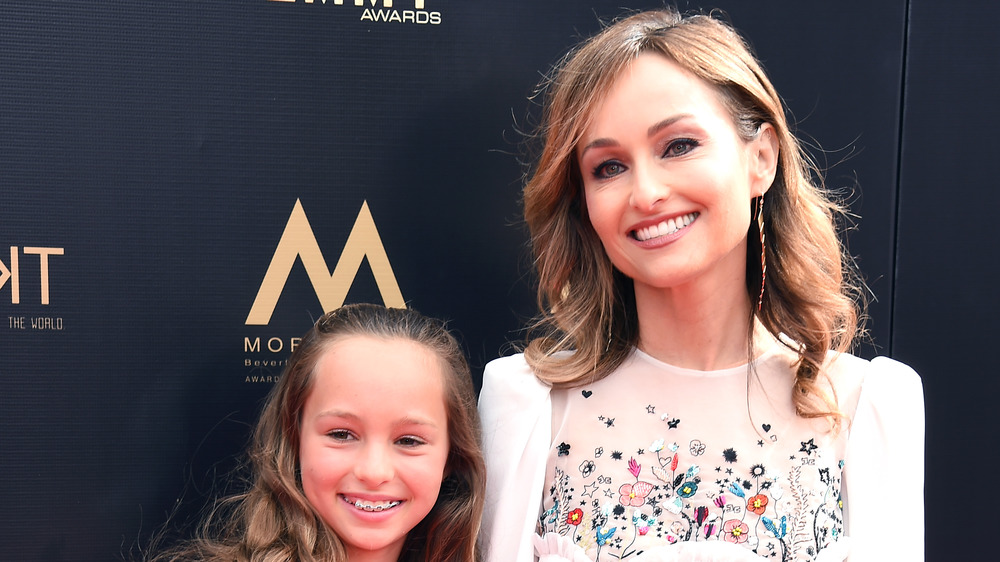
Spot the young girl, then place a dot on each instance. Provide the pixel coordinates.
(367, 450)
(693, 398)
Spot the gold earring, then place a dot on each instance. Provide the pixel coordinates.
(763, 255)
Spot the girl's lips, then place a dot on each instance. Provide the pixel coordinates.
(371, 505)
(663, 228)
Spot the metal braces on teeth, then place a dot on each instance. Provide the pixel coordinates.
(358, 504)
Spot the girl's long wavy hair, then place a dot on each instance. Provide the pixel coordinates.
(273, 520)
(812, 295)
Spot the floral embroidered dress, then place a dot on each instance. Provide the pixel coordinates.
(656, 462)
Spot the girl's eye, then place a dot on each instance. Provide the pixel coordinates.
(340, 435)
(680, 147)
(608, 169)
(409, 441)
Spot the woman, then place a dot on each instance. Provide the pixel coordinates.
(692, 397)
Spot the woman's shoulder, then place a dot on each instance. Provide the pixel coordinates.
(510, 378)
(876, 381)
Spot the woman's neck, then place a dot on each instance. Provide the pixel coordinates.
(694, 326)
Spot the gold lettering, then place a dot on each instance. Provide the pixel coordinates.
(298, 241)
(12, 274)
(43, 266)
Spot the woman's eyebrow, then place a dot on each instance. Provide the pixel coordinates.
(652, 131)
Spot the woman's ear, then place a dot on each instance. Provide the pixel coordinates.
(764, 159)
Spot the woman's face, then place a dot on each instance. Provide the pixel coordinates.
(668, 181)
(374, 441)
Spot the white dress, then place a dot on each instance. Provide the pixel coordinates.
(659, 463)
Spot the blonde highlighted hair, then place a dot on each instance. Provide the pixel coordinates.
(273, 520)
(811, 296)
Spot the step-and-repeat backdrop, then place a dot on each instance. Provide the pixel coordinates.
(186, 185)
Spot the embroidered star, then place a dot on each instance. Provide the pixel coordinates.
(760, 443)
(589, 489)
(640, 452)
(808, 447)
(610, 422)
(729, 471)
(650, 409)
(672, 424)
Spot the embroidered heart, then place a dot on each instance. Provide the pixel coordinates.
(664, 462)
(766, 427)
(586, 393)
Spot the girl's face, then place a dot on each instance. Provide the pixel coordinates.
(668, 181)
(374, 441)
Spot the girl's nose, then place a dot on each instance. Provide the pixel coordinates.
(374, 465)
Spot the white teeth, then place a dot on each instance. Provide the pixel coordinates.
(375, 506)
(664, 228)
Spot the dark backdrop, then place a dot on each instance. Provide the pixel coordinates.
(152, 153)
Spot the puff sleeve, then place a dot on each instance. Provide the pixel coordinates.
(516, 412)
(884, 467)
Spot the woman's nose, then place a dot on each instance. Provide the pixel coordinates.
(649, 189)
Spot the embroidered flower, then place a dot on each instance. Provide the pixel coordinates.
(729, 455)
(720, 501)
(757, 504)
(757, 470)
(709, 530)
(687, 489)
(642, 523)
(697, 448)
(575, 517)
(603, 536)
(657, 446)
(587, 468)
(634, 495)
(634, 467)
(735, 531)
(700, 514)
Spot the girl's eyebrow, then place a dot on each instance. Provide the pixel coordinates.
(408, 420)
(652, 131)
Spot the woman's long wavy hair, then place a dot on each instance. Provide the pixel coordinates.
(812, 296)
(273, 520)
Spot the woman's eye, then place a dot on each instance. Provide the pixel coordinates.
(340, 435)
(409, 441)
(680, 147)
(608, 169)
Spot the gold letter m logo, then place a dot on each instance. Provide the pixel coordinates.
(298, 241)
